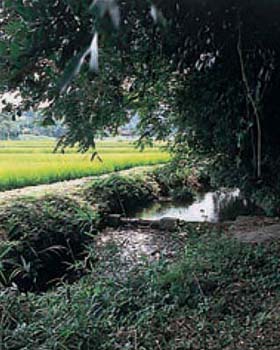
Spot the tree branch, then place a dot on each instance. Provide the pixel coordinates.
(253, 103)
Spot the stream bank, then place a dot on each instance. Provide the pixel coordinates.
(141, 284)
(44, 235)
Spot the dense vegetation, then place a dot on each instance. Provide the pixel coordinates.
(120, 195)
(40, 237)
(207, 71)
(216, 294)
(219, 295)
(202, 74)
(24, 163)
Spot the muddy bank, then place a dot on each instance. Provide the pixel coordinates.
(121, 250)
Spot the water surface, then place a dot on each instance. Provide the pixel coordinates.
(215, 206)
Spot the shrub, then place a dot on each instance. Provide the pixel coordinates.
(49, 232)
(182, 194)
(181, 179)
(120, 194)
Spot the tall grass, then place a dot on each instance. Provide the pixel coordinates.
(24, 163)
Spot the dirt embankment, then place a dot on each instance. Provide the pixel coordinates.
(71, 187)
(255, 229)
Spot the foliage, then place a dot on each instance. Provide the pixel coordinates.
(120, 194)
(222, 294)
(268, 199)
(183, 177)
(31, 163)
(47, 233)
(9, 129)
(207, 74)
(27, 125)
(90, 104)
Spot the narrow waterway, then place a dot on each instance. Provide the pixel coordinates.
(213, 207)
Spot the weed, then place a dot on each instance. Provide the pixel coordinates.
(220, 295)
(49, 232)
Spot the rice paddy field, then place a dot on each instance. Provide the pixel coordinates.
(24, 163)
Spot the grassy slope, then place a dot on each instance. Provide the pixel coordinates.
(24, 163)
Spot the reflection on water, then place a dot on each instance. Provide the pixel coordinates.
(211, 207)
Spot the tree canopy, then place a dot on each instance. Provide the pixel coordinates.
(207, 72)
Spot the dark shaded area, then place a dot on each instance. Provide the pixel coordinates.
(46, 235)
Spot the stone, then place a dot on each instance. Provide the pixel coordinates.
(114, 220)
(255, 229)
(168, 224)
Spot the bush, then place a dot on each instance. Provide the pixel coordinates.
(49, 232)
(182, 194)
(182, 178)
(120, 194)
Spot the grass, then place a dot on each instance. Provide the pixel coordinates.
(220, 295)
(24, 163)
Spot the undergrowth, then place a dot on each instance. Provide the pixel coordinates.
(220, 295)
(118, 194)
(181, 179)
(40, 236)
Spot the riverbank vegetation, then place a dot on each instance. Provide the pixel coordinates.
(215, 293)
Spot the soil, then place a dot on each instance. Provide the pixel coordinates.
(255, 229)
(123, 249)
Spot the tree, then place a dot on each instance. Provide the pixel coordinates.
(9, 129)
(208, 70)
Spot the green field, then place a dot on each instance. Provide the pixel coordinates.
(24, 163)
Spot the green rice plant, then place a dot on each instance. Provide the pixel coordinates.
(26, 164)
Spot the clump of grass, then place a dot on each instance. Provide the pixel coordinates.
(120, 194)
(48, 232)
(220, 295)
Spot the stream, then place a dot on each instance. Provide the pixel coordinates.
(217, 206)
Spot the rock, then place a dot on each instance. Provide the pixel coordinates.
(114, 220)
(168, 224)
(255, 229)
(129, 222)
(145, 223)
(155, 224)
(165, 200)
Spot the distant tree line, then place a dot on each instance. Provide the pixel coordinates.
(27, 125)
